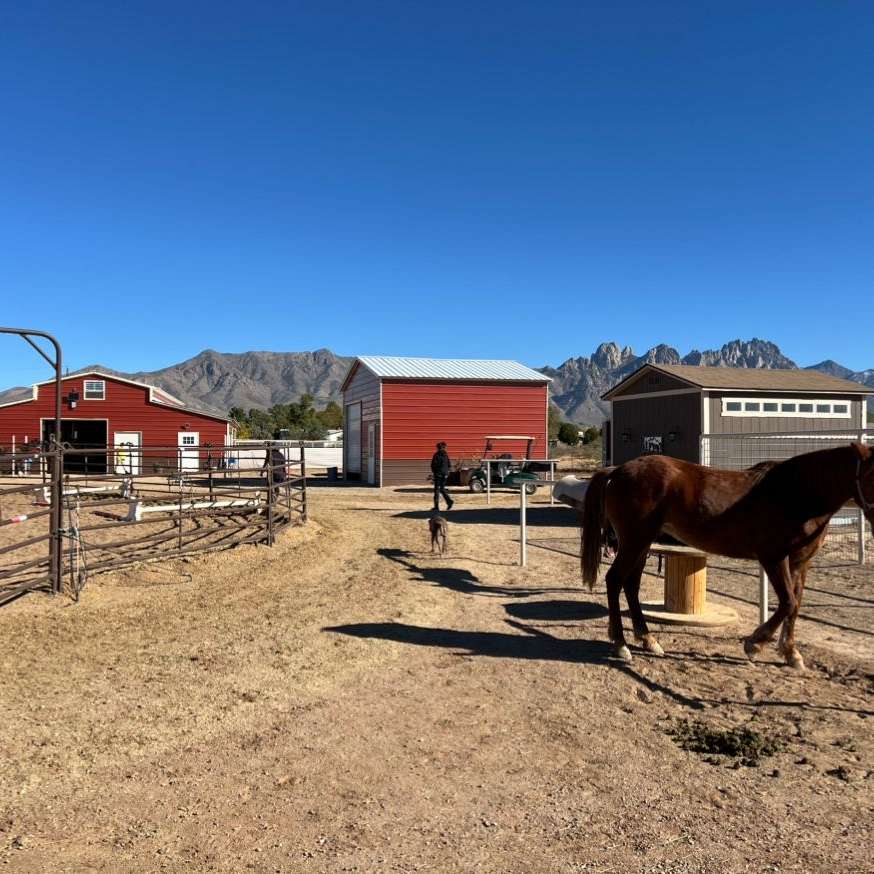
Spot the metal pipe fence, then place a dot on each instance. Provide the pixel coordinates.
(849, 536)
(118, 506)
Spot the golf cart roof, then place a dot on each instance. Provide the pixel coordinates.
(509, 437)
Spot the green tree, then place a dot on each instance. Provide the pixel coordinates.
(569, 434)
(554, 420)
(591, 434)
(332, 416)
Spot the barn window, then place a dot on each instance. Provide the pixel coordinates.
(796, 408)
(95, 390)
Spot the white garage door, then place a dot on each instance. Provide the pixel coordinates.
(352, 438)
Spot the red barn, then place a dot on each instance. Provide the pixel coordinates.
(396, 409)
(100, 411)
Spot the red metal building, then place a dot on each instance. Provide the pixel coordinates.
(101, 411)
(396, 409)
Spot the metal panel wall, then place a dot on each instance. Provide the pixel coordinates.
(363, 388)
(417, 414)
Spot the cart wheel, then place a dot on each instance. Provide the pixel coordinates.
(530, 489)
(477, 485)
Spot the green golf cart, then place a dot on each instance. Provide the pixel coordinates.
(505, 470)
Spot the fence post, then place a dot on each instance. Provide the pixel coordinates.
(523, 526)
(303, 479)
(57, 519)
(270, 496)
(763, 595)
(488, 481)
(552, 477)
(861, 554)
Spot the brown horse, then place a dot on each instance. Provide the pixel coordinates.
(775, 513)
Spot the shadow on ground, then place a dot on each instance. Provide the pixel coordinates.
(553, 517)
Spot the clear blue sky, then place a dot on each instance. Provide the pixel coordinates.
(434, 178)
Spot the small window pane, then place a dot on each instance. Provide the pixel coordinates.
(95, 389)
(788, 408)
(732, 406)
(769, 407)
(841, 408)
(823, 408)
(805, 408)
(751, 407)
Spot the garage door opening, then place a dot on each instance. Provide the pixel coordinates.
(88, 435)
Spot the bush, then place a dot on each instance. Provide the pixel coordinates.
(569, 434)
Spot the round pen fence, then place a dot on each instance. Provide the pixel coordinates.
(849, 536)
(123, 505)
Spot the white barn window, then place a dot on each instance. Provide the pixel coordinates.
(792, 408)
(95, 390)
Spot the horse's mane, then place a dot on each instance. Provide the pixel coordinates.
(759, 470)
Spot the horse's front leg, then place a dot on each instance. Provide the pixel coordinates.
(781, 580)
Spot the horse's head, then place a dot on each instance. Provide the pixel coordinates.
(863, 493)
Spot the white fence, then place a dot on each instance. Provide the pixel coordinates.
(319, 454)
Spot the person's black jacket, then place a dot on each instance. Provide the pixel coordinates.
(440, 463)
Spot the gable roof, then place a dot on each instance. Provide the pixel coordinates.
(156, 395)
(471, 369)
(749, 379)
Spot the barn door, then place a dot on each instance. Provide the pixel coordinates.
(188, 450)
(371, 453)
(127, 452)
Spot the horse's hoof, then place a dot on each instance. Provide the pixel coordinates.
(654, 647)
(752, 649)
(623, 653)
(795, 661)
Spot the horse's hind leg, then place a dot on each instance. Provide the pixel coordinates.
(781, 579)
(623, 565)
(638, 620)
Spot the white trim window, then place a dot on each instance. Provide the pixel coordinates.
(787, 408)
(94, 390)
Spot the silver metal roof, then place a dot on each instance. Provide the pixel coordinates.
(450, 368)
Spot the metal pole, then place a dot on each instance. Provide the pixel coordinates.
(552, 477)
(270, 496)
(303, 477)
(763, 595)
(523, 526)
(861, 536)
(488, 481)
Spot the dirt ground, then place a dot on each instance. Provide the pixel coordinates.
(347, 702)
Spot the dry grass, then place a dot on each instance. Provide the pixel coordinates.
(346, 702)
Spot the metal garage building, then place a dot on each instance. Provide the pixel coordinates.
(101, 411)
(396, 409)
(666, 408)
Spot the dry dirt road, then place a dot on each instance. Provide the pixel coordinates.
(347, 702)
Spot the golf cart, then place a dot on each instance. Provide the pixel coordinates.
(506, 471)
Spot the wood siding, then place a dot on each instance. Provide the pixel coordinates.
(651, 381)
(720, 424)
(363, 388)
(657, 417)
(418, 414)
(126, 408)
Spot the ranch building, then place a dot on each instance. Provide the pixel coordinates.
(396, 409)
(100, 411)
(666, 408)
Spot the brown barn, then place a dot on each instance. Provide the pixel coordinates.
(396, 409)
(667, 407)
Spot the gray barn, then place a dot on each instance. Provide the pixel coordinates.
(665, 408)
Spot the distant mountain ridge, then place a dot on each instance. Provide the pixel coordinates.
(217, 381)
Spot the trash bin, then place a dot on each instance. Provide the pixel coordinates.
(333, 473)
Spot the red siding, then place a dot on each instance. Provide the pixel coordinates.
(418, 414)
(126, 407)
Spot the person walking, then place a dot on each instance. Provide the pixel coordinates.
(440, 467)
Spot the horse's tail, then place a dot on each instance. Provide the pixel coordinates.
(593, 525)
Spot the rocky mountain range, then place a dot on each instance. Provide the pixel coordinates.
(218, 381)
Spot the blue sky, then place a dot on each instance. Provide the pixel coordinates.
(435, 179)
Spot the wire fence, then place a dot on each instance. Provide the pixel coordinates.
(849, 536)
(124, 505)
